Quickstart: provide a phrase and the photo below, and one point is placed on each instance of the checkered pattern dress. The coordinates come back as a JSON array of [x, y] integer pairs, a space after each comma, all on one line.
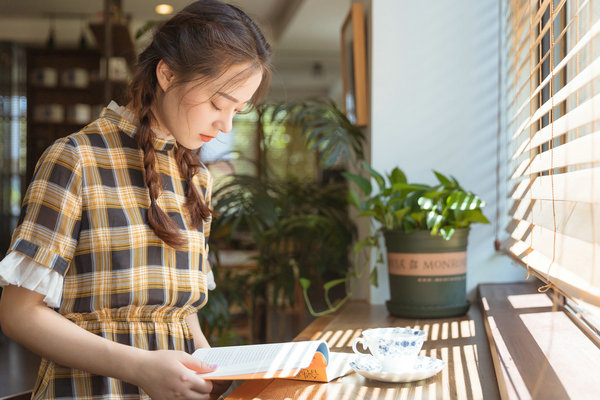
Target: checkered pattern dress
[[85, 216]]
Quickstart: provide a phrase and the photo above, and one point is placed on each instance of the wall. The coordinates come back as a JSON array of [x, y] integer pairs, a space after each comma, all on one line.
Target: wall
[[434, 98]]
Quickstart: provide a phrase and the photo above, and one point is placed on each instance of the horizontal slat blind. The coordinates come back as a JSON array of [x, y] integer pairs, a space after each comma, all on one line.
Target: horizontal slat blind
[[574, 186], [553, 130]]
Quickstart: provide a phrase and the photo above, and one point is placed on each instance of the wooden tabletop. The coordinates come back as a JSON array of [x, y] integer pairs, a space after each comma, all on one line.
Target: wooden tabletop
[[460, 341]]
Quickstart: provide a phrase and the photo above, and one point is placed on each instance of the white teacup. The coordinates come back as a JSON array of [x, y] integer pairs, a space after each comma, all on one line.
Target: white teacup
[[395, 348]]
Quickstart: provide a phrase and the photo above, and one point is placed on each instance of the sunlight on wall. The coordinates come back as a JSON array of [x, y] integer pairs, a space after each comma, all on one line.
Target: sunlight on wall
[[434, 103]]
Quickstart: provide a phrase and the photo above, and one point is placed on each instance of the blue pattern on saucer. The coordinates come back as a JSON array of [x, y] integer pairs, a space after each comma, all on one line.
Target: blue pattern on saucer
[[422, 368], [366, 363]]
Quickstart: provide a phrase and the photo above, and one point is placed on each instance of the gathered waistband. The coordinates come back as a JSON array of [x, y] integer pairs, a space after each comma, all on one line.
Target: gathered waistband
[[130, 314]]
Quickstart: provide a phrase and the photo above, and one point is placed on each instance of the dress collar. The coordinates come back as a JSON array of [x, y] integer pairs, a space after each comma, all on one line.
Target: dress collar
[[124, 120]]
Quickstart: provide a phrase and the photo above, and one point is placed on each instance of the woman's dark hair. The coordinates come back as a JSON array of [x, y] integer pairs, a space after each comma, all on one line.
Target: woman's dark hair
[[198, 44]]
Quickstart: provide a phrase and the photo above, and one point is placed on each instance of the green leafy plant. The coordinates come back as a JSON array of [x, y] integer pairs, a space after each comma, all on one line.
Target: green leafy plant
[[399, 205], [396, 204]]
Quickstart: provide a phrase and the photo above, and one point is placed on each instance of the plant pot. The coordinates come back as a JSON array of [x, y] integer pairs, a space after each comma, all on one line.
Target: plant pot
[[427, 274]]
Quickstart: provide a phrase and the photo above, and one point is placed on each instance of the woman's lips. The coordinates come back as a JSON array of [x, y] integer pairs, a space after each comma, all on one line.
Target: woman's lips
[[206, 138]]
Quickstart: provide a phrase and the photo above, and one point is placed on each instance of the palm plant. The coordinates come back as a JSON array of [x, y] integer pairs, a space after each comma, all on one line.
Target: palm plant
[[301, 229], [326, 130]]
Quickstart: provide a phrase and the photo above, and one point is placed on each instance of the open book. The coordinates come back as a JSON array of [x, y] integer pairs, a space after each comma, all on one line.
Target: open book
[[308, 360]]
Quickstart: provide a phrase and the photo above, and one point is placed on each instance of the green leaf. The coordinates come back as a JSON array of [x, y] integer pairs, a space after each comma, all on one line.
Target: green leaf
[[412, 200], [335, 282], [363, 243], [305, 283], [368, 213], [373, 277], [353, 199], [333, 157], [363, 183], [389, 221], [395, 201], [443, 180], [447, 233], [455, 182], [397, 176], [397, 187], [426, 203], [434, 221], [408, 226], [475, 216], [314, 128], [375, 175], [418, 218], [399, 216], [460, 200]]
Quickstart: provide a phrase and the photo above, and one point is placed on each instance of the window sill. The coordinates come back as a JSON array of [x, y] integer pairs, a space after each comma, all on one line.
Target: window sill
[[538, 352]]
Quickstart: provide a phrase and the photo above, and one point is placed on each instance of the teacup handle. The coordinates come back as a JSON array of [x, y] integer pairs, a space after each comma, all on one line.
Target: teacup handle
[[362, 342]]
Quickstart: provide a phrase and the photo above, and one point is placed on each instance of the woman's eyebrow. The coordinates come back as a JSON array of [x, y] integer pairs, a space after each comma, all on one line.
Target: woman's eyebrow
[[231, 98]]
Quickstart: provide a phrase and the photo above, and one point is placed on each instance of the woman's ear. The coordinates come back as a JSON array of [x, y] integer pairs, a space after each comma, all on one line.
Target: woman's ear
[[165, 75]]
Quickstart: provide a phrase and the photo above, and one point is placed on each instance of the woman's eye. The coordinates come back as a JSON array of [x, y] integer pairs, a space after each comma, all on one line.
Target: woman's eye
[[214, 106]]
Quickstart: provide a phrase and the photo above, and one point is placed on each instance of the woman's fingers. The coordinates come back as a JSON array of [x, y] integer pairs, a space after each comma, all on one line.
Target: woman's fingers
[[196, 384], [172, 375], [197, 365]]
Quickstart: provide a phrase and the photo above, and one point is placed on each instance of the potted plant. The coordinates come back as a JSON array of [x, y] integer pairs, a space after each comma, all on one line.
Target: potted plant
[[425, 228]]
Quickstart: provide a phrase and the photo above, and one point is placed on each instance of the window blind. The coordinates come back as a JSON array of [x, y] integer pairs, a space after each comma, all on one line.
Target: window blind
[[552, 99]]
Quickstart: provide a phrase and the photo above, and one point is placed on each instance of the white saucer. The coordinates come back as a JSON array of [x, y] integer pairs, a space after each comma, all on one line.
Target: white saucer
[[423, 368]]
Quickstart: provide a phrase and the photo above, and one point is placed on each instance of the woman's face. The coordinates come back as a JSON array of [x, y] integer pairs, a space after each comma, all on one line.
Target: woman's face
[[194, 114]]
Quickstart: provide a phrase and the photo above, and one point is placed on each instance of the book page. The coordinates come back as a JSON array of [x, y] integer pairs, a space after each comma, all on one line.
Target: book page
[[273, 359], [339, 365]]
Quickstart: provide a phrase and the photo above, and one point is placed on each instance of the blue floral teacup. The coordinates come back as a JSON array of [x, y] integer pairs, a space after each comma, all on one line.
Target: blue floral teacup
[[396, 348]]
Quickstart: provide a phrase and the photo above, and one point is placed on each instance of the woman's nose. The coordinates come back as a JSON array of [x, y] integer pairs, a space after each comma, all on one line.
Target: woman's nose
[[225, 123]]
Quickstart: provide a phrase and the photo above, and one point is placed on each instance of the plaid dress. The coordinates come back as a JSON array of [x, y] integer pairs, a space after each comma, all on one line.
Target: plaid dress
[[85, 216]]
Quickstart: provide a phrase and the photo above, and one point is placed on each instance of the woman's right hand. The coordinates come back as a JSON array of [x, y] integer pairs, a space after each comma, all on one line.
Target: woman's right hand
[[169, 374]]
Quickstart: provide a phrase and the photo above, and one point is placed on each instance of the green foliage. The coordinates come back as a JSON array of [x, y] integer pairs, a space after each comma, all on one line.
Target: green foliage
[[325, 128], [398, 205], [301, 229], [215, 317]]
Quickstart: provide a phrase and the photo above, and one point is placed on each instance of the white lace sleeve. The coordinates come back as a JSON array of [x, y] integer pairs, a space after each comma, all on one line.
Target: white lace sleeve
[[18, 270], [210, 280]]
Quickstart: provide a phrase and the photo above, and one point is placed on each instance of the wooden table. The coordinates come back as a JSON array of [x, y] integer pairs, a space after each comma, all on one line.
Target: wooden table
[[460, 341]]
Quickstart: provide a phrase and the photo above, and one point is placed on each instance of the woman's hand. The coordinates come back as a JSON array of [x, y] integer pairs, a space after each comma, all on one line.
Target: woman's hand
[[168, 375]]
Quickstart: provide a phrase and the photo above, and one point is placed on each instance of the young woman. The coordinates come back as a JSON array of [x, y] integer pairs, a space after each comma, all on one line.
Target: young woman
[[108, 264]]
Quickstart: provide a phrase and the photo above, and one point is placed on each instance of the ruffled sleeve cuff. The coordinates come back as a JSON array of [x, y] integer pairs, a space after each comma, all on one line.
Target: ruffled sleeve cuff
[[18, 270], [210, 280]]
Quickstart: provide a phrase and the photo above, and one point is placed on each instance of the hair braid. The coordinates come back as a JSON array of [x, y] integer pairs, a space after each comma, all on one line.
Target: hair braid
[[163, 225], [189, 165]]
